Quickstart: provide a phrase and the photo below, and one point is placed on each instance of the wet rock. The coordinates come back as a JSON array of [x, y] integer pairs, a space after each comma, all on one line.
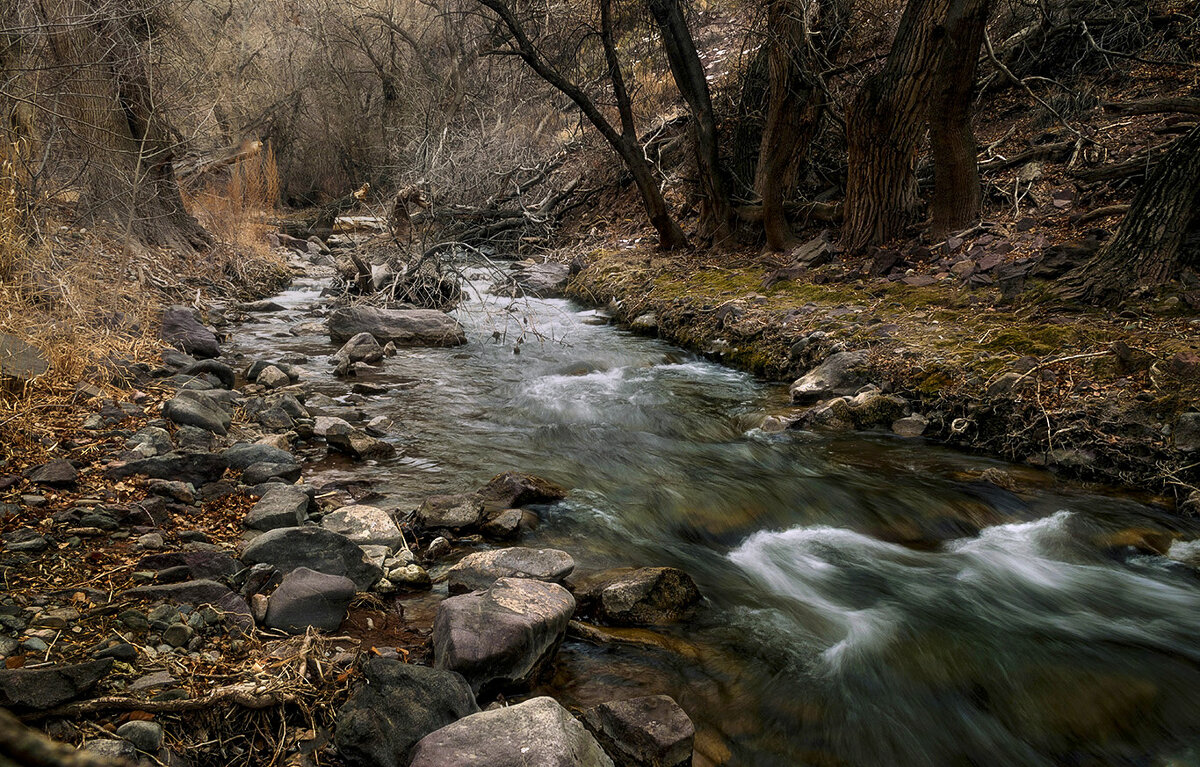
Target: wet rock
[[451, 512], [480, 570], [379, 426], [911, 426], [361, 348], [870, 409], [645, 323], [264, 305], [43, 688], [639, 596], [197, 468], [438, 548], [365, 525], [183, 330], [546, 280], [509, 524], [315, 548], [643, 732], [196, 408], [118, 751], [841, 374], [199, 592], [357, 444], [25, 539], [323, 423], [57, 473], [280, 506], [399, 704], [501, 638], [309, 598], [537, 732], [403, 327], [513, 489]]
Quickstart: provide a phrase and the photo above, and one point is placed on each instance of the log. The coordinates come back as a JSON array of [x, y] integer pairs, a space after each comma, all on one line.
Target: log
[[191, 169]]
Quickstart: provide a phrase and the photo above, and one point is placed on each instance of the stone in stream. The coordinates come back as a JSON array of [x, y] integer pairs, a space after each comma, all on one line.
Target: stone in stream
[[480, 570], [280, 506], [452, 512], [272, 377], [309, 598], [537, 732], [642, 596], [199, 409], [182, 329], [361, 348], [263, 471], [546, 280], [841, 374], [244, 454], [399, 704], [910, 426], [42, 688], [315, 548], [501, 638], [509, 524], [403, 327], [365, 525], [513, 489], [652, 730], [356, 443]]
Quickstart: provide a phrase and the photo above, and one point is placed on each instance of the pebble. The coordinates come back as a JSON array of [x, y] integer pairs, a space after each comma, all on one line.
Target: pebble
[[178, 634], [145, 736], [151, 541], [134, 620]]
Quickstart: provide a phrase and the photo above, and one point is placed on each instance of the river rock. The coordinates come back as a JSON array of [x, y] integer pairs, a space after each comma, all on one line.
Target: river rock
[[150, 441], [841, 374], [641, 596], [19, 361], [513, 489], [200, 564], [309, 598], [263, 471], [244, 454], [145, 736], [280, 506], [315, 548], [272, 378], [57, 473], [357, 443], [218, 370], [508, 524], [365, 525], [451, 512], [197, 468], [911, 426], [643, 732], [197, 408], [182, 329], [537, 732], [361, 348], [480, 570], [403, 327], [542, 280], [50, 686], [233, 608], [399, 704], [501, 638]]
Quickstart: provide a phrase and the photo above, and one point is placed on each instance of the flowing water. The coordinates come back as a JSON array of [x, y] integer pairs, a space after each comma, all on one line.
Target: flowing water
[[870, 600]]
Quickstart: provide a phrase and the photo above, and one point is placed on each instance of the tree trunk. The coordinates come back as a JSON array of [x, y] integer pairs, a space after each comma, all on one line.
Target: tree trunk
[[956, 193], [884, 124], [1147, 248], [716, 211], [112, 113], [796, 102]]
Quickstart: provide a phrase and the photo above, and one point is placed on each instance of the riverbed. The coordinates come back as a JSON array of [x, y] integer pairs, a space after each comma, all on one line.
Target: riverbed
[[870, 599]]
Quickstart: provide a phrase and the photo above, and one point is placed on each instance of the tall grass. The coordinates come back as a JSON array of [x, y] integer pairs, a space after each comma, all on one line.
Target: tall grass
[[237, 206]]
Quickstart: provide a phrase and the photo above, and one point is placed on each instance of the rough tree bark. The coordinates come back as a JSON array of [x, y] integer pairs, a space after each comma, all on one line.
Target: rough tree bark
[[956, 193], [625, 141], [107, 101], [796, 101], [1147, 249], [716, 211], [884, 124]]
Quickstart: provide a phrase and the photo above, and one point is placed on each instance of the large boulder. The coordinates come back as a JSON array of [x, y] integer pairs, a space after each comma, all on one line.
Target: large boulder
[[280, 506], [403, 327], [309, 598], [399, 704], [50, 686], [200, 409], [501, 638], [182, 329], [542, 280], [365, 525], [643, 732], [361, 348], [841, 374], [537, 732], [316, 548], [643, 596], [480, 570]]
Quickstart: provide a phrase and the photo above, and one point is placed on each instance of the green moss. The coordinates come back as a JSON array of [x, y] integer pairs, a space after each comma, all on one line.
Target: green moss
[[1035, 341]]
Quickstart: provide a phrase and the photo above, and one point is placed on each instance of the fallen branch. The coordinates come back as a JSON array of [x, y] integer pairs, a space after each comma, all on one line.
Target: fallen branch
[[246, 695], [1166, 105]]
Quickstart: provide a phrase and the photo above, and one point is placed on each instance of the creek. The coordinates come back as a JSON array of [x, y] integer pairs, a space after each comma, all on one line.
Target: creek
[[870, 600]]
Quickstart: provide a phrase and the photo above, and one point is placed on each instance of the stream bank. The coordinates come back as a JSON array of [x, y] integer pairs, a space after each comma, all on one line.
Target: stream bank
[[1099, 396]]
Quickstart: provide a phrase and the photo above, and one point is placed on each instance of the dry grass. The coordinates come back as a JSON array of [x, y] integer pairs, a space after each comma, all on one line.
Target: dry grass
[[237, 206]]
